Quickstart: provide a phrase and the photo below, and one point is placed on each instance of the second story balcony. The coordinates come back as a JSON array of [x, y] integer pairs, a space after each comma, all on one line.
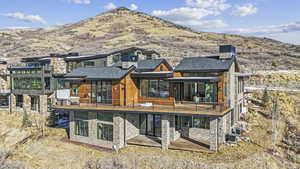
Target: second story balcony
[[154, 106]]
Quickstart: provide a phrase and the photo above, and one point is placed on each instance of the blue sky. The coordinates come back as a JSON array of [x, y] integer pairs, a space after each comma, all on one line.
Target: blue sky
[[278, 19]]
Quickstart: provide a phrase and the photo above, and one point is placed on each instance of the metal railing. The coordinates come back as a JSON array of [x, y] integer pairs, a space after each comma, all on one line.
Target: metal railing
[[151, 105]]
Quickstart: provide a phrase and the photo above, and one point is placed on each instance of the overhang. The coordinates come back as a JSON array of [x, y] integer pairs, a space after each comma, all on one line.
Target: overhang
[[194, 79]]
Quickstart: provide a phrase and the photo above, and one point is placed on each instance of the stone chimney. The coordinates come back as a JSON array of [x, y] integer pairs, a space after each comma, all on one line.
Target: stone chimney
[[227, 51]]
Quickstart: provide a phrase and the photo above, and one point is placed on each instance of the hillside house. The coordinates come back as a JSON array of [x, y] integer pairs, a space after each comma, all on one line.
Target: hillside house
[[145, 101]]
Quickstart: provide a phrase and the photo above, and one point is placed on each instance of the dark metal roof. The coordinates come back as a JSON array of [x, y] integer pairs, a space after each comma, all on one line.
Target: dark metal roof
[[165, 74], [149, 65], [203, 79], [105, 73], [204, 64]]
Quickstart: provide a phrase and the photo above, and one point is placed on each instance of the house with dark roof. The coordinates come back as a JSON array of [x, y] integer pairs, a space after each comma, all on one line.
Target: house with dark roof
[[39, 81], [136, 100]]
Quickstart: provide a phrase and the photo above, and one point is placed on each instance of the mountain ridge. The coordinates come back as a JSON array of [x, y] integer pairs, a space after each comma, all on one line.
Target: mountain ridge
[[122, 28]]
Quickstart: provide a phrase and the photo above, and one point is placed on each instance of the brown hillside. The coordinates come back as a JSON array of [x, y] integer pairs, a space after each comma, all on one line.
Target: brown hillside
[[122, 28]]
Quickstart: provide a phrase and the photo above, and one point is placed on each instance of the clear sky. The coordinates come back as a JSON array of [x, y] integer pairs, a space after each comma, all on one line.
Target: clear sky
[[278, 19]]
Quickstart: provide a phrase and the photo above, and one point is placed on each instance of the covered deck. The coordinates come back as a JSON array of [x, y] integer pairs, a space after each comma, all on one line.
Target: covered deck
[[213, 110], [184, 144]]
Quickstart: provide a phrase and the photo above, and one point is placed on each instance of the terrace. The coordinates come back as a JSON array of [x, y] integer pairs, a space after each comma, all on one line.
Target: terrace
[[213, 109]]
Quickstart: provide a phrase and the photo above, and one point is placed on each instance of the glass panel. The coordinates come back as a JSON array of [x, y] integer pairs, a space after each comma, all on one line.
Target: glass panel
[[201, 122], [186, 121], [164, 89], [153, 88], [150, 130], [144, 87], [27, 83], [81, 128], [210, 93], [81, 115], [94, 91], [143, 124], [105, 117], [105, 132], [4, 101], [157, 125]]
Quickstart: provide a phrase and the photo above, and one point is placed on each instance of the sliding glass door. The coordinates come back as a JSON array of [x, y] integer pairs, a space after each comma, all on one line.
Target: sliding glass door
[[199, 92], [102, 92], [150, 124]]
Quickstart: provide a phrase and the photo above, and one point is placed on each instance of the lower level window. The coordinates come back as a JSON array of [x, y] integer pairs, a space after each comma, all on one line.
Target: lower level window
[[201, 122], [82, 128], [4, 100], [105, 132]]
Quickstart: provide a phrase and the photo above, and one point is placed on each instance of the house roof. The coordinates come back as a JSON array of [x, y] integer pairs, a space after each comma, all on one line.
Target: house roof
[[149, 65], [105, 73], [204, 64]]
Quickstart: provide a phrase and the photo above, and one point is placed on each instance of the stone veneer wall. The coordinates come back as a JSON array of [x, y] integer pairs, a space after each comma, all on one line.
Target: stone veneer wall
[[165, 131], [4, 80], [59, 65], [92, 138], [26, 103], [213, 134], [43, 104]]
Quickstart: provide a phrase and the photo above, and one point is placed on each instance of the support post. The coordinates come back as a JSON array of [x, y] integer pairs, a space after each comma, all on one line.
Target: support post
[[165, 131]]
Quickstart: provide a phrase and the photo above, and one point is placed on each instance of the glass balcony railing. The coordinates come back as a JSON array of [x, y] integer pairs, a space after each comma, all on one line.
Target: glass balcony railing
[[152, 106]]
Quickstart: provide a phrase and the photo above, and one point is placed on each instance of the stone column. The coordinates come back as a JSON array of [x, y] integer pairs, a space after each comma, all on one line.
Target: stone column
[[13, 104], [172, 128], [26, 103], [221, 129], [165, 131], [118, 129], [43, 104], [213, 134], [71, 125]]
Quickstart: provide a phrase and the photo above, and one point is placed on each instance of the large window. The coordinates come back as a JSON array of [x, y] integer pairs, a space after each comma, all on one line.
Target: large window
[[154, 88], [105, 132], [88, 64], [81, 124], [102, 92], [191, 121], [75, 87], [201, 122], [4, 101], [27, 83], [82, 128], [19, 101]]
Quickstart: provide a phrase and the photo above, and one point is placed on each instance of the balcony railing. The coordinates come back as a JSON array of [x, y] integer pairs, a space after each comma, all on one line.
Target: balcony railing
[[152, 106]]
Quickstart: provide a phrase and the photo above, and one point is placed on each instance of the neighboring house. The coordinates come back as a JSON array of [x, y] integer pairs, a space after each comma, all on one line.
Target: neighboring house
[[4, 86], [38, 82], [132, 100]]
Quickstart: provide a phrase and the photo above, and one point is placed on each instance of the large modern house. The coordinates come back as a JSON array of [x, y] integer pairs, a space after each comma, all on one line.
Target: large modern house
[[146, 101], [134, 96]]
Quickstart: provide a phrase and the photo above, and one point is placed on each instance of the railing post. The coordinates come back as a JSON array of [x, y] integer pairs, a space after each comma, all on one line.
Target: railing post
[[196, 107]]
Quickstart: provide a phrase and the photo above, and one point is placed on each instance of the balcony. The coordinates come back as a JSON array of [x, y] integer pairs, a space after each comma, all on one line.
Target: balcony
[[210, 109]]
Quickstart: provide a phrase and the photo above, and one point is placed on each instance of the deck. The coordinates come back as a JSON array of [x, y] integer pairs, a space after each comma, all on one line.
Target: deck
[[200, 109], [184, 144]]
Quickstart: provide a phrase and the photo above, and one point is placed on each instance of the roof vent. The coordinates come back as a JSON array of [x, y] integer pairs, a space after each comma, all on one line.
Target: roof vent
[[227, 51]]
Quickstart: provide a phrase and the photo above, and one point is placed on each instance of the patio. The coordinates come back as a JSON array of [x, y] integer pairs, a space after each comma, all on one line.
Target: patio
[[185, 144]]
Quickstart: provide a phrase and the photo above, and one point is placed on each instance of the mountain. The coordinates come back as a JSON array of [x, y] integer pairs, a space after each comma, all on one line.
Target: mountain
[[122, 28]]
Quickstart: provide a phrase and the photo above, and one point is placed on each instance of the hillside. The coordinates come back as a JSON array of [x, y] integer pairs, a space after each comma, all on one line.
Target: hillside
[[122, 28]]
